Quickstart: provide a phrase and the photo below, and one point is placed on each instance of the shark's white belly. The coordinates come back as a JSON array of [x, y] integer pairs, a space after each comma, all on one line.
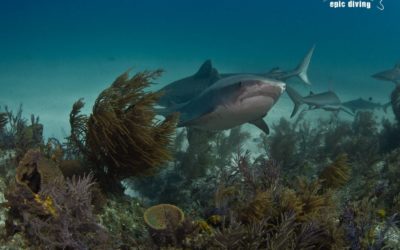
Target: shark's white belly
[[234, 114]]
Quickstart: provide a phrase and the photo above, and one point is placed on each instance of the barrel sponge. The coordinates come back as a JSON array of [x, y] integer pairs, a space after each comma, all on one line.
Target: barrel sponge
[[35, 171]]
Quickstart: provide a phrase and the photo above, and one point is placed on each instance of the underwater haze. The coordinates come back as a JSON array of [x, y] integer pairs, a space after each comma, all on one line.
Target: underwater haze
[[54, 52], [186, 124]]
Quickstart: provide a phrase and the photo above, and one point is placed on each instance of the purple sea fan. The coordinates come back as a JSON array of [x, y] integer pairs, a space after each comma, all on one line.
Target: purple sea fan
[[74, 226]]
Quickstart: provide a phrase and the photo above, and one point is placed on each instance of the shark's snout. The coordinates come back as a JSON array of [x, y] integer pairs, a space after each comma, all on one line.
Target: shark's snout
[[275, 89]]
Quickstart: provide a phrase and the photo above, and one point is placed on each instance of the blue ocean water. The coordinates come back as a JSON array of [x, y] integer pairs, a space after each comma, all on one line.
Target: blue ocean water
[[54, 52]]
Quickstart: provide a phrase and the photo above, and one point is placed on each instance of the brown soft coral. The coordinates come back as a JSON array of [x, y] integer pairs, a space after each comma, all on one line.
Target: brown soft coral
[[337, 174], [122, 133]]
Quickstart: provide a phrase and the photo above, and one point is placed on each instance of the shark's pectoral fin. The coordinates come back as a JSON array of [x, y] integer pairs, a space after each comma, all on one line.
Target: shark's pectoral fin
[[260, 123], [174, 107]]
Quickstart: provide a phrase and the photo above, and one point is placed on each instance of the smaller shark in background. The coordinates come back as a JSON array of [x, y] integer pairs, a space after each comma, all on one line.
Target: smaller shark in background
[[185, 89], [328, 101], [362, 104], [230, 102], [391, 75]]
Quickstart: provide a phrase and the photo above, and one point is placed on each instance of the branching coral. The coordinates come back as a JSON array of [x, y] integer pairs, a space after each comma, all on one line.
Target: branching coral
[[19, 135]]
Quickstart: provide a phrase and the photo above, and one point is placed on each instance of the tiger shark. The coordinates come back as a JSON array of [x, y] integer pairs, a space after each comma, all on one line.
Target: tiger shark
[[183, 90], [230, 102], [327, 100], [391, 75]]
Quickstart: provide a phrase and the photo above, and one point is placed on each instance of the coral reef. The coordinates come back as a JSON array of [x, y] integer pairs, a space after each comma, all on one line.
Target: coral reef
[[326, 184]]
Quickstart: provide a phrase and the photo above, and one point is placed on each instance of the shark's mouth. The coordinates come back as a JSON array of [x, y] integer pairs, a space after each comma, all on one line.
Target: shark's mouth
[[267, 89]]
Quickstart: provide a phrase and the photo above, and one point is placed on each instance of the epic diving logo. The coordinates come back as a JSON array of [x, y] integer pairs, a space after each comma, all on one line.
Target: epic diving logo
[[367, 4]]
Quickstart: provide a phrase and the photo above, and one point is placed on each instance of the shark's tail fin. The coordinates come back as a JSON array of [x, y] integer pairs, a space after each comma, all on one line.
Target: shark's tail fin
[[301, 70], [296, 98]]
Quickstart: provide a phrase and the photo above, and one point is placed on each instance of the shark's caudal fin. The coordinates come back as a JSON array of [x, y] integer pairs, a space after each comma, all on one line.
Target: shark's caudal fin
[[301, 70], [296, 98]]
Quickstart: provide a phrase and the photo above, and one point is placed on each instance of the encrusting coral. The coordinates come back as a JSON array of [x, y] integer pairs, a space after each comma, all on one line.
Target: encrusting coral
[[121, 136]]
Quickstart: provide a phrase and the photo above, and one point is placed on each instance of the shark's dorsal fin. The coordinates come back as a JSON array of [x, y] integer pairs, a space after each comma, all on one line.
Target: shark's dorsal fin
[[260, 123], [215, 75], [205, 69]]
